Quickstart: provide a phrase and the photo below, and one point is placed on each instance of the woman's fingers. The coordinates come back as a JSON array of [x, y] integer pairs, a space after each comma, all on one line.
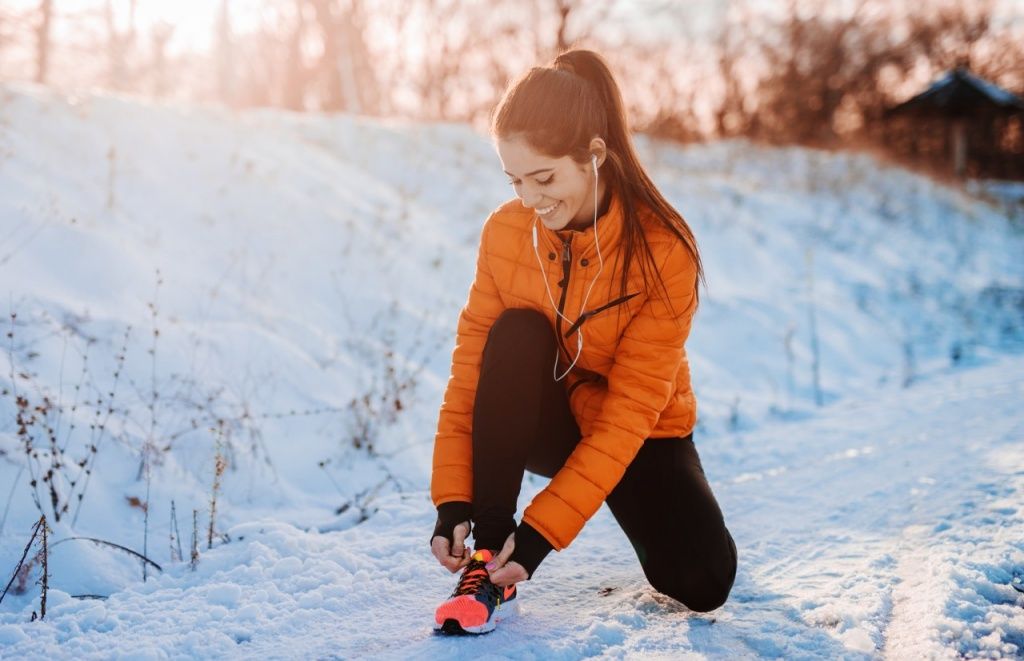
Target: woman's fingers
[[499, 560], [441, 549], [458, 563], [453, 556], [506, 550], [513, 572], [459, 535]]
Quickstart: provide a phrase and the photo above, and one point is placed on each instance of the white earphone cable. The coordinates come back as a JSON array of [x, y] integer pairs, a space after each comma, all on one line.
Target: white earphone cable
[[586, 297]]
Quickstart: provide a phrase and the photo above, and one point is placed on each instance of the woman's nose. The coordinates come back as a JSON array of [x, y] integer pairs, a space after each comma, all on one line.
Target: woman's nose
[[530, 198]]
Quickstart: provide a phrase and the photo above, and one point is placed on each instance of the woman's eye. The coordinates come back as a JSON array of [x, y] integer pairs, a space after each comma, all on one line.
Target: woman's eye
[[542, 183]]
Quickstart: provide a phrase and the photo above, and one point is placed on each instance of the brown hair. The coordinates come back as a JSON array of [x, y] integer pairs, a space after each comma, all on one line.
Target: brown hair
[[559, 109]]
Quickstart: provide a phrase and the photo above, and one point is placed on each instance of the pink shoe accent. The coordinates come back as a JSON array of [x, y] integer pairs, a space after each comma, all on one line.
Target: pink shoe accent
[[464, 609]]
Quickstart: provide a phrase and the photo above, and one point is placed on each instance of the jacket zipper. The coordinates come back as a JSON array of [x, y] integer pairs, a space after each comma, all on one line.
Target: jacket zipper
[[564, 284], [590, 313]]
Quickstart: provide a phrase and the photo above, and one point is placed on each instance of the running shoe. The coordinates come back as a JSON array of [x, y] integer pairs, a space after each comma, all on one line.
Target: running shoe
[[476, 605]]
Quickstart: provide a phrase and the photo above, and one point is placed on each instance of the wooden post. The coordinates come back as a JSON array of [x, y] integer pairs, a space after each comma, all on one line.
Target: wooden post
[[959, 146]]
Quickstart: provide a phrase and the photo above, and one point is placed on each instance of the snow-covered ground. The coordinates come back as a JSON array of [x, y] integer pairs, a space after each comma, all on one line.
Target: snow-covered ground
[[306, 263]]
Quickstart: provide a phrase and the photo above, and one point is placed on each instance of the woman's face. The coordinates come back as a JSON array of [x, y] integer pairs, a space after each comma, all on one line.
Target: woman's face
[[560, 190]]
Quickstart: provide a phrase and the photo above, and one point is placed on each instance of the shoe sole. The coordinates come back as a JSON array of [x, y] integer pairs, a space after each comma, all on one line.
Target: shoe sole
[[504, 611]]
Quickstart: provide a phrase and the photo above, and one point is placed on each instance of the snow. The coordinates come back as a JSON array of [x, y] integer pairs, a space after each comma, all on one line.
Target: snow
[[307, 261]]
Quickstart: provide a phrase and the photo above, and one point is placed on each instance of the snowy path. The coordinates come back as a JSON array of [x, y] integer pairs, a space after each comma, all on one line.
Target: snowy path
[[893, 524], [888, 528]]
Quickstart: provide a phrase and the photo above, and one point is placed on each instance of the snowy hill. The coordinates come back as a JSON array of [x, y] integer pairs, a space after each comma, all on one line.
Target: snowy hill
[[310, 274]]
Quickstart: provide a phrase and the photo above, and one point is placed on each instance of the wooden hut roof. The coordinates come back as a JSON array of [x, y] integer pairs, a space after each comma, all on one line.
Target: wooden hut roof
[[959, 93]]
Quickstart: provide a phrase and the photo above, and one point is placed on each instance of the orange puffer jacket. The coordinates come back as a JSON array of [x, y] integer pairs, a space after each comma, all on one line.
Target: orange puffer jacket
[[631, 382]]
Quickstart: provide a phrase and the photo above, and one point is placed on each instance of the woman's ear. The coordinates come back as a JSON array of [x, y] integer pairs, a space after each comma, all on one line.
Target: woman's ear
[[599, 149]]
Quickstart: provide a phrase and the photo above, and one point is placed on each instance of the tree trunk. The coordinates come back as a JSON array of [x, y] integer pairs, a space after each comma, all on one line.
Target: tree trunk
[[43, 40], [225, 57], [330, 61], [295, 71]]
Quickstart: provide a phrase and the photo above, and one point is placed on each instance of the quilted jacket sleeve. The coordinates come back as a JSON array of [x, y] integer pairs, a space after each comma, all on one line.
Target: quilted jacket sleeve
[[452, 473], [640, 383]]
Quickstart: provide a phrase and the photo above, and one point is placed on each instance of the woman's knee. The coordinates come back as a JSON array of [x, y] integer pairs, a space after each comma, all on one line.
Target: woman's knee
[[520, 338], [699, 590], [515, 322], [698, 593]]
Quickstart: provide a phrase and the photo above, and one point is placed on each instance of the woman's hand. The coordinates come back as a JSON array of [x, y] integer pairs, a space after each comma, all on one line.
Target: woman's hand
[[453, 556], [502, 571]]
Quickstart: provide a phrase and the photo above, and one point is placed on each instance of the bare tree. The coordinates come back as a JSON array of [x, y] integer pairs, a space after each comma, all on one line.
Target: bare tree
[[224, 56], [346, 73], [949, 33], [563, 9], [364, 68], [119, 44], [823, 74], [159, 35], [269, 67], [813, 74], [295, 73], [808, 60], [442, 63], [574, 21], [735, 113], [43, 40], [332, 69], [1004, 58]]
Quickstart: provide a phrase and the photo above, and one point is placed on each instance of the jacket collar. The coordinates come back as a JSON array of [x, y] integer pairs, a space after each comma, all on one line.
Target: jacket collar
[[609, 231]]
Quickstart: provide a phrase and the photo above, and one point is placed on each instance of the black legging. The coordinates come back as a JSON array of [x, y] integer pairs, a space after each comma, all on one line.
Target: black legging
[[522, 421]]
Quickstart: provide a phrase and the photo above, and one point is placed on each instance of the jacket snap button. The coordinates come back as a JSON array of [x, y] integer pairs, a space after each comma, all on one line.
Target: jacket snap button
[[584, 261], [551, 255]]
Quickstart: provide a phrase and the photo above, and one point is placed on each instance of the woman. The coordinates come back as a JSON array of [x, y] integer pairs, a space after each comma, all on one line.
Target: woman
[[569, 362]]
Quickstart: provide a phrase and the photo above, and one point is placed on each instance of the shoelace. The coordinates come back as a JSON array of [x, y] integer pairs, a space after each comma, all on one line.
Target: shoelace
[[472, 577]]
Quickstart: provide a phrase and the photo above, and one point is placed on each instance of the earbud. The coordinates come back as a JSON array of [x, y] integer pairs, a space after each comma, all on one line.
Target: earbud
[[593, 159]]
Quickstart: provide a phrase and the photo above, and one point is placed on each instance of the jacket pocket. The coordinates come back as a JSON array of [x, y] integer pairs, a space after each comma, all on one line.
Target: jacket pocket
[[590, 313]]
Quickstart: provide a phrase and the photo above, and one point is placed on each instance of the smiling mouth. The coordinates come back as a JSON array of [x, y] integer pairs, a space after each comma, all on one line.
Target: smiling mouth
[[545, 211]]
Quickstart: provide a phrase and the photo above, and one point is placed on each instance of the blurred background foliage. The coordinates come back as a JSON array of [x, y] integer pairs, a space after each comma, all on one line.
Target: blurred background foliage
[[810, 72]]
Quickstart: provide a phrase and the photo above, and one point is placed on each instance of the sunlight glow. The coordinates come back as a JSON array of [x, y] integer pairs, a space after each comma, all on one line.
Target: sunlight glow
[[193, 21]]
